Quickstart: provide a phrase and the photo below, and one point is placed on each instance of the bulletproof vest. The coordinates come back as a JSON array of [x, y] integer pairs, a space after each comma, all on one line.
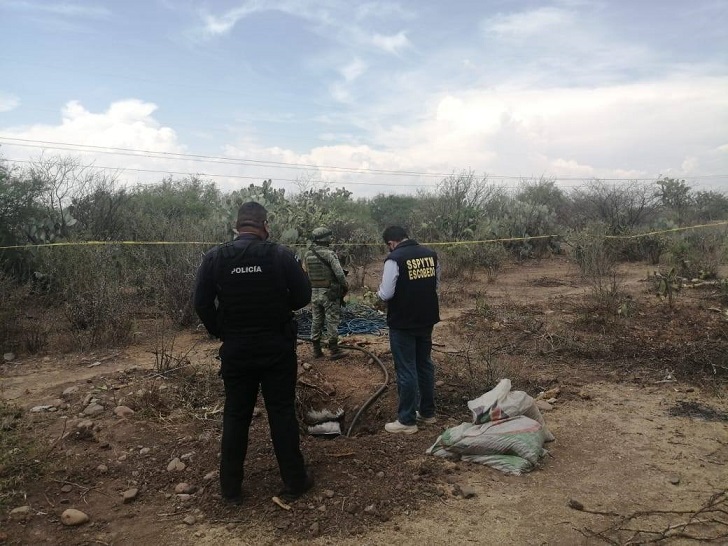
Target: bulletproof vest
[[415, 303], [251, 292], [319, 273]]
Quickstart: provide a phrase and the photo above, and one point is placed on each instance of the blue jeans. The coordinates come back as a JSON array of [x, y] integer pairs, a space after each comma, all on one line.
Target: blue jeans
[[411, 351]]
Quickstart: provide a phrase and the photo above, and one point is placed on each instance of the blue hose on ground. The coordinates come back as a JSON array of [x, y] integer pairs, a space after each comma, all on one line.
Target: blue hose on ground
[[355, 319]]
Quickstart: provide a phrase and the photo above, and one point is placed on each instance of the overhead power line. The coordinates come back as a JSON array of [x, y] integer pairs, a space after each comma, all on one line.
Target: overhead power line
[[69, 146], [27, 143], [276, 179], [151, 154], [235, 176]]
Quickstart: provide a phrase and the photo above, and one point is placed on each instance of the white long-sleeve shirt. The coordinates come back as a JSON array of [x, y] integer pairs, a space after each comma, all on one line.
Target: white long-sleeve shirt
[[389, 280]]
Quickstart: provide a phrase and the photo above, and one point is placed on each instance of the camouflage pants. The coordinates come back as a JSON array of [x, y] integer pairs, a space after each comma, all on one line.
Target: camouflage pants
[[324, 310]]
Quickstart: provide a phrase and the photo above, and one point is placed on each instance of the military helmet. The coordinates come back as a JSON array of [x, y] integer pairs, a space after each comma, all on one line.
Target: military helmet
[[321, 235]]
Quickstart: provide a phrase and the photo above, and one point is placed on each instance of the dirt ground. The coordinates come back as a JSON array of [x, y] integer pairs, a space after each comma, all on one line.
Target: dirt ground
[[640, 421]]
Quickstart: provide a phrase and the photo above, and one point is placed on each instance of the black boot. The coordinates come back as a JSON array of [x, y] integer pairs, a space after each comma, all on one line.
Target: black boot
[[317, 352], [336, 352]]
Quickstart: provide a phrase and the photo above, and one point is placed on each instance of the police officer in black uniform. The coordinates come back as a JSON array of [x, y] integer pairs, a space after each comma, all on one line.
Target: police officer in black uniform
[[245, 294]]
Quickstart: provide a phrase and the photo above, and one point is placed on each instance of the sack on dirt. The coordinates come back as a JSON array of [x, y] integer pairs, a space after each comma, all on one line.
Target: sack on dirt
[[512, 445], [502, 403]]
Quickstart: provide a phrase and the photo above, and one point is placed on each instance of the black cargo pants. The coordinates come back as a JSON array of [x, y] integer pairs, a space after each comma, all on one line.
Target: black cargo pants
[[249, 364]]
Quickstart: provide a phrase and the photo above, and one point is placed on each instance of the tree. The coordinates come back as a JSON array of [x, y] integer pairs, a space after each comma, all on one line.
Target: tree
[[675, 196], [392, 210], [457, 208], [102, 212], [19, 198], [621, 207], [62, 180], [710, 206], [188, 209], [544, 192]]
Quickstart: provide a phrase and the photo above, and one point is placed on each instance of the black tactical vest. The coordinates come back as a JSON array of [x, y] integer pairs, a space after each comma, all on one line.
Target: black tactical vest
[[415, 303], [252, 296]]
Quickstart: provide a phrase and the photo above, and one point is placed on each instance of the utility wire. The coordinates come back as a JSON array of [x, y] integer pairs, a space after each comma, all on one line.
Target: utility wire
[[277, 179], [69, 146], [206, 158], [236, 176], [295, 180]]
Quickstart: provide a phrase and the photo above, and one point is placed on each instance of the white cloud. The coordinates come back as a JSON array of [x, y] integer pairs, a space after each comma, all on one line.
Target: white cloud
[[331, 21], [341, 91], [571, 168], [218, 25], [125, 124], [66, 9], [8, 102], [393, 43], [353, 70], [675, 125], [528, 23]]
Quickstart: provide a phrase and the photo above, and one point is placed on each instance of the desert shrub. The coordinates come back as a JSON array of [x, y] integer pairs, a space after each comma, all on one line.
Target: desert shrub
[[455, 262], [652, 247], [699, 254], [34, 336], [167, 359], [12, 295], [619, 207], [491, 258], [608, 295], [456, 209], [392, 210], [593, 252], [19, 463], [18, 331], [165, 276], [193, 387], [524, 219], [597, 258], [358, 252], [90, 282], [464, 260], [481, 365]]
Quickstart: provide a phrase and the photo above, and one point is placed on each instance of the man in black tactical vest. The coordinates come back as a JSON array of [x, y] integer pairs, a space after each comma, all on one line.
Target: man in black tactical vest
[[257, 285], [409, 286]]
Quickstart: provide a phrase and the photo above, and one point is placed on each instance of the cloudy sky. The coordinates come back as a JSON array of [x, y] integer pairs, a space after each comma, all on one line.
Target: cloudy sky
[[380, 96]]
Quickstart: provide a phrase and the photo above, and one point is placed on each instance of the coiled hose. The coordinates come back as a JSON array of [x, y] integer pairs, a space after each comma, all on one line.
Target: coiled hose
[[379, 391]]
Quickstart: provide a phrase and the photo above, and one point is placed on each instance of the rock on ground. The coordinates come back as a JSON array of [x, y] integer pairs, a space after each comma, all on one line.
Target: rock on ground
[[72, 517]]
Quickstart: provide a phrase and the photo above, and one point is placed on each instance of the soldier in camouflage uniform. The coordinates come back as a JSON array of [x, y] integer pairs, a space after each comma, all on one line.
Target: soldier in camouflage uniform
[[329, 287]]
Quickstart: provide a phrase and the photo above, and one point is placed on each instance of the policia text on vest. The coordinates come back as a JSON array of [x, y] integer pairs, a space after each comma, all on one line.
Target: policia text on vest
[[420, 268]]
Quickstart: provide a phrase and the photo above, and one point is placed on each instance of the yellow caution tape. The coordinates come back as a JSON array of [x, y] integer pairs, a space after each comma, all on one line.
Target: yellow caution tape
[[481, 241]]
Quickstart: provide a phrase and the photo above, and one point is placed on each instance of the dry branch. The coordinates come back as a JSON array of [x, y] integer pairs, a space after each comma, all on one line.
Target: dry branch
[[715, 505]]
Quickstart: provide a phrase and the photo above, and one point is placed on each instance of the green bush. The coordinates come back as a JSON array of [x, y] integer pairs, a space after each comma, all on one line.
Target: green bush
[[91, 285], [12, 297], [465, 259], [699, 254], [652, 247], [594, 253]]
